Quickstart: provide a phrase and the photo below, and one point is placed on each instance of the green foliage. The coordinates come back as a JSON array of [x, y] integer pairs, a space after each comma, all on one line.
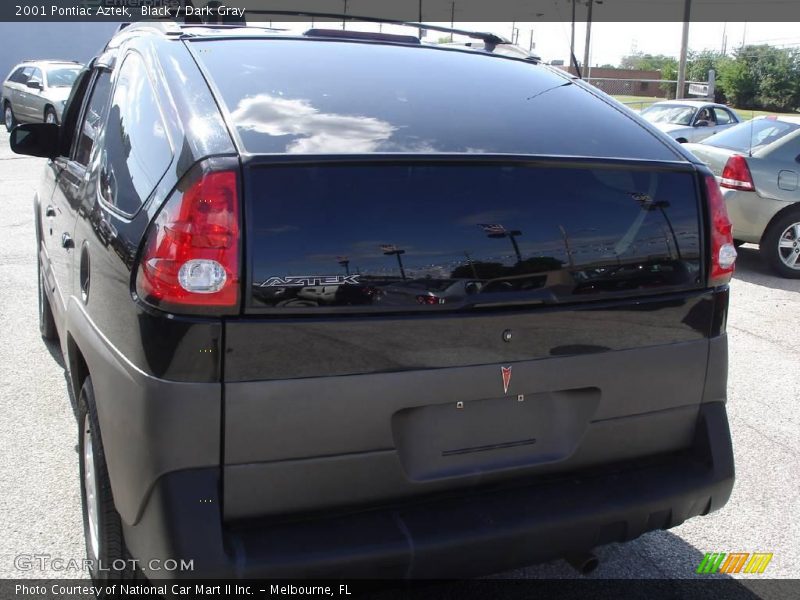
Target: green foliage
[[647, 62], [755, 77], [669, 72], [762, 77]]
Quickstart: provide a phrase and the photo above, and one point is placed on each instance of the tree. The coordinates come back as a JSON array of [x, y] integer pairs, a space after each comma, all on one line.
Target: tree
[[738, 84], [764, 77], [700, 63], [647, 62], [670, 73]]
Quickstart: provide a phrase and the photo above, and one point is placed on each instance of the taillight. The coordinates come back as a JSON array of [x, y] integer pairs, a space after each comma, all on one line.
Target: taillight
[[190, 261], [723, 252], [429, 300], [736, 174]]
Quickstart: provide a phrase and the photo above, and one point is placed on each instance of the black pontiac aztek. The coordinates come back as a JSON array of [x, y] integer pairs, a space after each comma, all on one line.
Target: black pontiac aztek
[[345, 304]]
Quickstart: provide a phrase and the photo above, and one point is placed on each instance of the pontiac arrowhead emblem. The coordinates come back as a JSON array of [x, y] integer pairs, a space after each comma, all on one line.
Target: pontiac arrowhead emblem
[[506, 378]]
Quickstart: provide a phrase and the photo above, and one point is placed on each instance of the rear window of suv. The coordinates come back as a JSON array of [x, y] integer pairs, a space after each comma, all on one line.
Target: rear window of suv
[[324, 97], [440, 236]]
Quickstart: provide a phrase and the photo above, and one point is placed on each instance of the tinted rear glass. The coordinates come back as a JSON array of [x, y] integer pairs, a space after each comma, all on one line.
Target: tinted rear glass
[[322, 97], [745, 136], [454, 236], [62, 76]]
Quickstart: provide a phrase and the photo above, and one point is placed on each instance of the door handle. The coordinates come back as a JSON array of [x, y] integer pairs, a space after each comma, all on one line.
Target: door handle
[[49, 212], [66, 241]]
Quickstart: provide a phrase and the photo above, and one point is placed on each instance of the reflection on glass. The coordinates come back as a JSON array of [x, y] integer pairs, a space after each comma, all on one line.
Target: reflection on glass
[[391, 250], [570, 232], [496, 231], [312, 131]]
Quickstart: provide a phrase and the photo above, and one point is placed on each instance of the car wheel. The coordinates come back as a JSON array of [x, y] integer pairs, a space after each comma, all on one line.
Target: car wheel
[[47, 324], [8, 117], [781, 245], [109, 560], [50, 116]]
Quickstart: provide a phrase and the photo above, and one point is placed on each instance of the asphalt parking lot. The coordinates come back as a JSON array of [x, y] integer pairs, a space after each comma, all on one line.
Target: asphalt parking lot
[[39, 489]]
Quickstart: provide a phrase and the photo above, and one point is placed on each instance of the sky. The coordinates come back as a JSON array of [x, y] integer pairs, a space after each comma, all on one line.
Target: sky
[[611, 41]]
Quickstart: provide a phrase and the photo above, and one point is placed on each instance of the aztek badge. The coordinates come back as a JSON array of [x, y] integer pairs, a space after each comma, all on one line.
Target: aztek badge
[[309, 281]]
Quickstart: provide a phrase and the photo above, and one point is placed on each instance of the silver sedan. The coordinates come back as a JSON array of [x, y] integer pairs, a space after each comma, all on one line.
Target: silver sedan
[[757, 165], [690, 120]]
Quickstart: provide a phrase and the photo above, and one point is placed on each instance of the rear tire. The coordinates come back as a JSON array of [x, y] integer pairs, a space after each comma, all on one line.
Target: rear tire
[[780, 245], [47, 324], [102, 528], [50, 115], [8, 117]]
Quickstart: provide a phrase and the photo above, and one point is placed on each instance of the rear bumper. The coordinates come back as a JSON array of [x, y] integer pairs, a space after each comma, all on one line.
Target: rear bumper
[[471, 532], [750, 214]]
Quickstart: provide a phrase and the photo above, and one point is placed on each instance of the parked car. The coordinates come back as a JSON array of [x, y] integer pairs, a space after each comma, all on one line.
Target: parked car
[[690, 120], [428, 290], [757, 165], [261, 438], [36, 91]]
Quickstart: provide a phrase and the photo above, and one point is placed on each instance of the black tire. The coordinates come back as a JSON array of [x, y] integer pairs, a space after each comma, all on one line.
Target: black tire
[[12, 122], [785, 229], [47, 324], [50, 112], [108, 549]]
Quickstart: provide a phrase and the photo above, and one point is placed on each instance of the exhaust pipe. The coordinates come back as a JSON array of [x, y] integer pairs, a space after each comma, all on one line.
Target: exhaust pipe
[[584, 563]]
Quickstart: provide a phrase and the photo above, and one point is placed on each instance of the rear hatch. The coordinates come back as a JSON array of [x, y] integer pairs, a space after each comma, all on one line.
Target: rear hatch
[[436, 298], [418, 326]]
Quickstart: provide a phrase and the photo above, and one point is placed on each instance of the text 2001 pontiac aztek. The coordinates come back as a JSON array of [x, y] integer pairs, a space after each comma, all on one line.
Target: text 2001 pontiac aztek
[[346, 304]]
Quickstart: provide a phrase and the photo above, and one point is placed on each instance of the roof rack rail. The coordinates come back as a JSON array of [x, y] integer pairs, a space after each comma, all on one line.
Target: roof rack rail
[[489, 39], [61, 60], [362, 35]]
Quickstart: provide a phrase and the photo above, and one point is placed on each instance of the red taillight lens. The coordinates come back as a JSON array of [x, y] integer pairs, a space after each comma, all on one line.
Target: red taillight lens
[[723, 252], [429, 300], [191, 253], [736, 175]]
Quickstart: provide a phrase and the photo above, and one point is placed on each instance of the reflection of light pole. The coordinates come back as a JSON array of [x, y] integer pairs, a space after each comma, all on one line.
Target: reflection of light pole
[[390, 250], [498, 231], [566, 241], [649, 205], [566, 245], [471, 264], [344, 262]]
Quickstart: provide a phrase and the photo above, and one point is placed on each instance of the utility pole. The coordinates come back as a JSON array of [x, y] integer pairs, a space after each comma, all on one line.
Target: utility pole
[[530, 45], [420, 37], [687, 14], [588, 40], [452, 17], [572, 38]]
